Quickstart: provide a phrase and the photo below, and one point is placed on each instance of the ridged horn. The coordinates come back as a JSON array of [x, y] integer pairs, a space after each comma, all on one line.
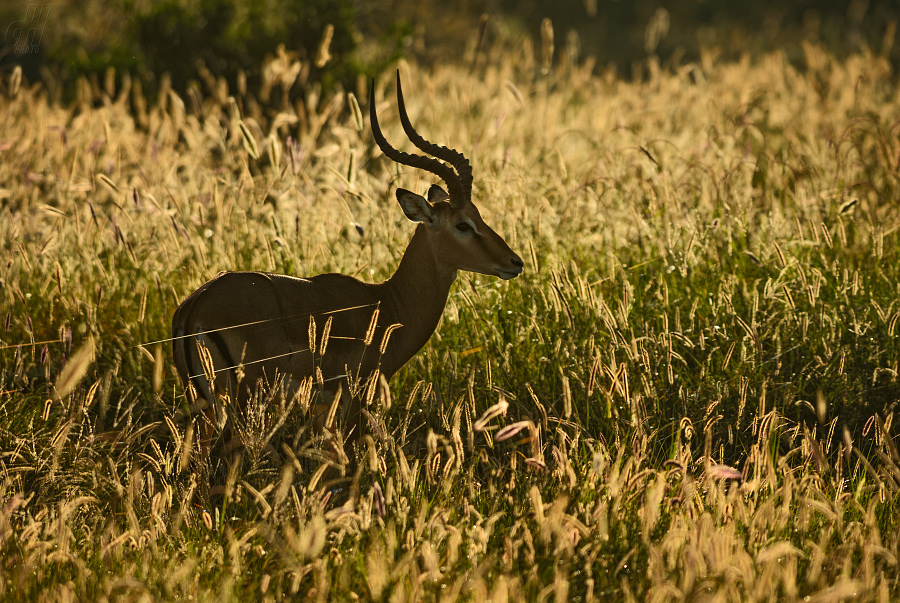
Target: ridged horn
[[458, 193], [452, 156]]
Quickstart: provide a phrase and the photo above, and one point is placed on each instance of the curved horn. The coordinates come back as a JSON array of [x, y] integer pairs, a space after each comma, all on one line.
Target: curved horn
[[451, 156], [439, 169]]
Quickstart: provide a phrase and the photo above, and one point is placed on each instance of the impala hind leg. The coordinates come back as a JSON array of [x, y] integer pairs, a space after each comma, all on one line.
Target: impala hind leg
[[209, 396]]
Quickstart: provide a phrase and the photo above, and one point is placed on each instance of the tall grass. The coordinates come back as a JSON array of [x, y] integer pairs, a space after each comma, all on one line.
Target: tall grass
[[689, 394]]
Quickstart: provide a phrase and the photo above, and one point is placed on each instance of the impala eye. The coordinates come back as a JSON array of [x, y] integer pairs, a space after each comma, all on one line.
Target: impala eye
[[464, 227]]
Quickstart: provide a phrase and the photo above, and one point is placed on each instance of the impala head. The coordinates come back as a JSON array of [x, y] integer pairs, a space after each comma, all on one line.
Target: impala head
[[456, 232]]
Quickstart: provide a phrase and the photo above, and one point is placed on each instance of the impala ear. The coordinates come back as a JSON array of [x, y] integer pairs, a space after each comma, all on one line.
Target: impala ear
[[415, 206], [436, 193]]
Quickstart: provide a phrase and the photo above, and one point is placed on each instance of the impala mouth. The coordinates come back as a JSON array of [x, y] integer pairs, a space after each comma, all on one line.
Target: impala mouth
[[508, 274]]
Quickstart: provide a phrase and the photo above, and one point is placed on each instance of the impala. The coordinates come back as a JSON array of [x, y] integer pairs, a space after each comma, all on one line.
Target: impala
[[246, 330]]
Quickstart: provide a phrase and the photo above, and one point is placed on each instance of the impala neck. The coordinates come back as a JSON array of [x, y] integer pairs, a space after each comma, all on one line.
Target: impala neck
[[415, 296]]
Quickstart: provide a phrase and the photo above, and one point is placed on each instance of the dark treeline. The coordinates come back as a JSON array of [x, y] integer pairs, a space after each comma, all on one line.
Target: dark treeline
[[337, 41]]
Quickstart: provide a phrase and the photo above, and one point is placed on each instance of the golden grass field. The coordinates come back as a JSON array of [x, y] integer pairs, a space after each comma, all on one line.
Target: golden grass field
[[701, 354]]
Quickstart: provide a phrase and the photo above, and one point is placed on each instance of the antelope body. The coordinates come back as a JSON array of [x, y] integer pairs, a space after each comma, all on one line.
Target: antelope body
[[259, 328]]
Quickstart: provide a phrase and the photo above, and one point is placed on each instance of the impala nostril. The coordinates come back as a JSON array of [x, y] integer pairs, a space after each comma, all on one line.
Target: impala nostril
[[517, 263]]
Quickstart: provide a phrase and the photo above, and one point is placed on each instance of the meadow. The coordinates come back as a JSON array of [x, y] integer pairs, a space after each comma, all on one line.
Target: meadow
[[688, 395]]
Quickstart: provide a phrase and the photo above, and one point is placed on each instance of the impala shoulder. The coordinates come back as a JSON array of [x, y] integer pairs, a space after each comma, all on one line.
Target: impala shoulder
[[337, 282]]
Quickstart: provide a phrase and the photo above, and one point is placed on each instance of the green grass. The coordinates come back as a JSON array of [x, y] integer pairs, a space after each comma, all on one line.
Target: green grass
[[711, 285]]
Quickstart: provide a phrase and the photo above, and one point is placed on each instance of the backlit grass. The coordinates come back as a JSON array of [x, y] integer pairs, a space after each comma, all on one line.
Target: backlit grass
[[698, 367]]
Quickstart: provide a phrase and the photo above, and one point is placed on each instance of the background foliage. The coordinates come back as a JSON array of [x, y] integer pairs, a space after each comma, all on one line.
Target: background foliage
[[233, 38]]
